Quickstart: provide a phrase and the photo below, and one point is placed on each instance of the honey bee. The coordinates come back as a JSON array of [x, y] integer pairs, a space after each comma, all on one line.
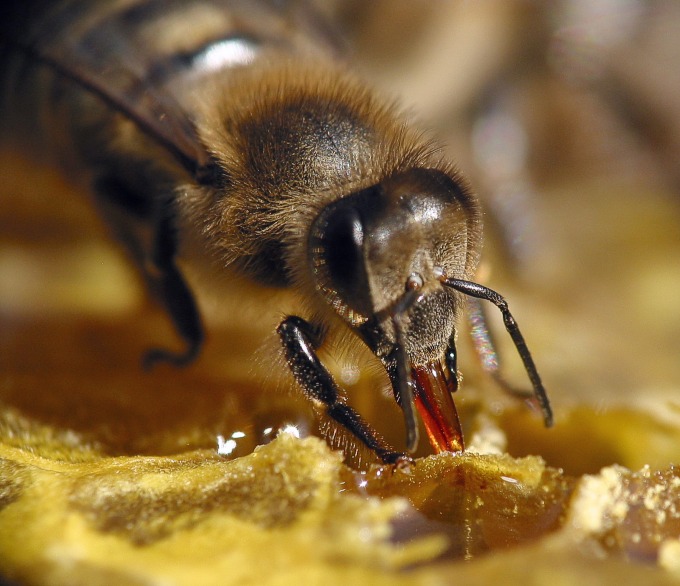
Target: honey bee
[[233, 131]]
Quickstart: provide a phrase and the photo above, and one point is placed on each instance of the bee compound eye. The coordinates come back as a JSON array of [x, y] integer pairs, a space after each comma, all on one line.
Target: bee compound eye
[[339, 250]]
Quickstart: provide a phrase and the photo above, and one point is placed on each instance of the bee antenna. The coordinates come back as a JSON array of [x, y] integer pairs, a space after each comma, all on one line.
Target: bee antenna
[[479, 291]]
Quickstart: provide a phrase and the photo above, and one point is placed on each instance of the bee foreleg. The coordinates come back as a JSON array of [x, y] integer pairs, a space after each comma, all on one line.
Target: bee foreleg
[[300, 343], [169, 285], [485, 345], [451, 358]]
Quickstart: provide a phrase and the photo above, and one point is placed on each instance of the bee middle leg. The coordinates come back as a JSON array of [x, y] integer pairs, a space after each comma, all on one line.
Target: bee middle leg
[[300, 342], [146, 226], [171, 288]]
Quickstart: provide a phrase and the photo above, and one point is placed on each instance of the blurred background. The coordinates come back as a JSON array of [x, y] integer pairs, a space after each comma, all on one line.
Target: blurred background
[[565, 115]]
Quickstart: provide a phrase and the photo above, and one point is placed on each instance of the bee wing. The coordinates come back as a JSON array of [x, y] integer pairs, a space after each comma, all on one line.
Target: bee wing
[[130, 53], [105, 59]]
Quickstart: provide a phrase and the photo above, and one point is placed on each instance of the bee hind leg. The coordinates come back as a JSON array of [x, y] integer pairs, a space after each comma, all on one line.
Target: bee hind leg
[[300, 342]]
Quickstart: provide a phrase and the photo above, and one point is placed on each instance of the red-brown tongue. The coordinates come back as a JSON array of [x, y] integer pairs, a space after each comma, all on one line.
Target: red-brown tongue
[[435, 404]]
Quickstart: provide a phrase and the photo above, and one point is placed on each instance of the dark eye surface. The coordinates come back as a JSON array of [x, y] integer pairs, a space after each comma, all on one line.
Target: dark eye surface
[[337, 246], [343, 248]]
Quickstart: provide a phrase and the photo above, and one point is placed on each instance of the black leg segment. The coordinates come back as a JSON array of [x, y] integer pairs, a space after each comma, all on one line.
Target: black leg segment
[[145, 223], [300, 342], [451, 358], [168, 284]]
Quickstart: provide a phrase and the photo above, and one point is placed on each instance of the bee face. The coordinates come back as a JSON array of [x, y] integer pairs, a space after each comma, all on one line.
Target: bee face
[[367, 250]]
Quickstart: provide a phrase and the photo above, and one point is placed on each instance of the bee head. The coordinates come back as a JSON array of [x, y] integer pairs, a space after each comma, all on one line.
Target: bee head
[[378, 257], [368, 249]]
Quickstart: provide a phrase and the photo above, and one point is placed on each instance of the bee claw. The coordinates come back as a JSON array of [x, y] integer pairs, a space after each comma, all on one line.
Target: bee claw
[[155, 356]]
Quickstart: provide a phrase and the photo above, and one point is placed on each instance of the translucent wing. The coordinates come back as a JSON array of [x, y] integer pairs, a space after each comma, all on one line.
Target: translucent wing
[[130, 52]]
